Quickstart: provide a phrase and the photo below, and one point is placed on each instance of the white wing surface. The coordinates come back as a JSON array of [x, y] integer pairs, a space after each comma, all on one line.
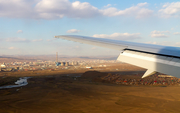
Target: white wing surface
[[155, 58]]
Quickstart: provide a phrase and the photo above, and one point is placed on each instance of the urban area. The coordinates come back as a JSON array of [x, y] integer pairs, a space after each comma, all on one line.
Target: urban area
[[113, 71]]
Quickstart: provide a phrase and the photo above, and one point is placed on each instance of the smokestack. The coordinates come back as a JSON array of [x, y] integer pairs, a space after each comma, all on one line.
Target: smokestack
[[56, 56]]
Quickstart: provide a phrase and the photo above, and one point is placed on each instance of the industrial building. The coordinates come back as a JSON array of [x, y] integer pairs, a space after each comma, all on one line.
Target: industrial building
[[3, 65], [62, 63]]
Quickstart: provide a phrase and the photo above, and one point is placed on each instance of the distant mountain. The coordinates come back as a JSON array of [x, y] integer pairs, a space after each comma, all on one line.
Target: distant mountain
[[13, 58]]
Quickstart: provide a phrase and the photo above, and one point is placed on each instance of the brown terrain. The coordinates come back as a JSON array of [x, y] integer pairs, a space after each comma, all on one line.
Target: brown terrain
[[62, 91]]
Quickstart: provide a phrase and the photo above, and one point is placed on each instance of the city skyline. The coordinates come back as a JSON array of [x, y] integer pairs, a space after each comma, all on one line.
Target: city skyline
[[28, 27]]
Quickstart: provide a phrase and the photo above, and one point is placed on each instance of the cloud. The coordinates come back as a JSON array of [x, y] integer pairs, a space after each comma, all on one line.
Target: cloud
[[119, 36], [50, 40], [107, 5], [11, 48], [176, 33], [93, 48], [17, 39], [137, 11], [164, 43], [177, 44], [16, 8], [57, 9], [142, 4], [53, 9], [151, 42], [2, 48], [73, 31], [170, 10], [37, 40], [77, 47], [159, 34], [19, 31], [84, 10]]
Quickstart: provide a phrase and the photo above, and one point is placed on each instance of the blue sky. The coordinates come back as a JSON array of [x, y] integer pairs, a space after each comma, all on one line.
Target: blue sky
[[27, 27]]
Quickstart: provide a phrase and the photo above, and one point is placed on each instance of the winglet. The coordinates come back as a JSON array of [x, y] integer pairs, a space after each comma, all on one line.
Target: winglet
[[148, 73]]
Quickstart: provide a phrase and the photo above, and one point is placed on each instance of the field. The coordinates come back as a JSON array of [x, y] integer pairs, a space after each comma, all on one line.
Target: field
[[63, 92]]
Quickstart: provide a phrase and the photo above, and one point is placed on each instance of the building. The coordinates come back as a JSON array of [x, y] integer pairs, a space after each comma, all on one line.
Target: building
[[62, 63], [3, 65]]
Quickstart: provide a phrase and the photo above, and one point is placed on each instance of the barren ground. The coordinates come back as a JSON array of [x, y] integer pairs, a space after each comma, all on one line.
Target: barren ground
[[55, 92]]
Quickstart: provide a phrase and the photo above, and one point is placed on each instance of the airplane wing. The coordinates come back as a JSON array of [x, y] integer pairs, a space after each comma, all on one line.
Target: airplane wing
[[155, 58]]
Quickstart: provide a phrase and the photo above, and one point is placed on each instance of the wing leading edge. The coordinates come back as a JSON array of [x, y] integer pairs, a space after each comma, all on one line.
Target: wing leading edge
[[155, 58]]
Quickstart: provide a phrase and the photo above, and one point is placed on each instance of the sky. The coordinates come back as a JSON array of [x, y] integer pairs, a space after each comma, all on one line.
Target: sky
[[28, 27]]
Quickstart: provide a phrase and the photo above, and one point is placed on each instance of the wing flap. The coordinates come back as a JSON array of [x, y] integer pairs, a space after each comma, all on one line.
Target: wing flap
[[156, 63], [148, 73]]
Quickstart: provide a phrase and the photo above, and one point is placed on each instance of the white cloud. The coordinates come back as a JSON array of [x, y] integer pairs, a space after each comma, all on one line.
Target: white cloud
[[176, 33], [46, 9], [159, 34], [50, 40], [16, 8], [142, 4], [57, 9], [165, 43], [93, 48], [83, 10], [17, 39], [52, 9], [19, 31], [107, 5], [137, 11], [119, 36], [73, 31], [11, 48], [77, 47], [177, 44], [151, 42], [170, 10], [2, 48], [37, 40]]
